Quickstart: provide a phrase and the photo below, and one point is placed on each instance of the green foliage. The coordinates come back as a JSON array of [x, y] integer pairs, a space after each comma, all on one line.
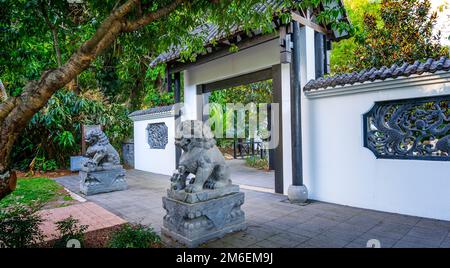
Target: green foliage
[[54, 133], [258, 93], [134, 236], [342, 55], [65, 139], [406, 35], [257, 162], [27, 42], [33, 191], [41, 164], [19, 226], [68, 229], [387, 32], [225, 143], [31, 31]]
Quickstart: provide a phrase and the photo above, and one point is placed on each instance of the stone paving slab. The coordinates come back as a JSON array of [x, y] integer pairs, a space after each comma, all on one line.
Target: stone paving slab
[[273, 222], [244, 175], [87, 213]]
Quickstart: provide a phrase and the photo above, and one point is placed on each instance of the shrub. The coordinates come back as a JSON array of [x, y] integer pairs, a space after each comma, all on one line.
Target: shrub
[[69, 229], [19, 226], [257, 162], [134, 236], [40, 163]]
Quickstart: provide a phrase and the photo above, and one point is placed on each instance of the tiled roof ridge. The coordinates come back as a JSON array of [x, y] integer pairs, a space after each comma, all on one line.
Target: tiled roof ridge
[[418, 67], [153, 110]]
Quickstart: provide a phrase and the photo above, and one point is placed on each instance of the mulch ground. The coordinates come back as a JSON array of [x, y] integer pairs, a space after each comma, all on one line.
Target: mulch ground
[[48, 174], [53, 174], [93, 239], [100, 238], [96, 239]]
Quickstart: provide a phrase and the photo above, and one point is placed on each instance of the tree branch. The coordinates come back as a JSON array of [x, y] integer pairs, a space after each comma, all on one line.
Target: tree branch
[[104, 28], [131, 26]]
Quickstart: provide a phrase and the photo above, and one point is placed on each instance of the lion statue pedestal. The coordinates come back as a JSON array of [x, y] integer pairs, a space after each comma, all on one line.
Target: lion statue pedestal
[[207, 206], [102, 171]]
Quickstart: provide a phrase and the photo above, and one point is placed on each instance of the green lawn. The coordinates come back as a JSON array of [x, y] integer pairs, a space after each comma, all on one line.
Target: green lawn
[[31, 190]]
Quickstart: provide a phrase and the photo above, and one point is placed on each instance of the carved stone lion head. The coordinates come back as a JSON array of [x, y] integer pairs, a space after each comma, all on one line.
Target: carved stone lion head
[[96, 136], [194, 133]]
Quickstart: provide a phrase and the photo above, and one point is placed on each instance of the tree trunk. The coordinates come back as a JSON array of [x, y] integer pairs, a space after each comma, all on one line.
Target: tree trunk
[[8, 183], [134, 102], [16, 112], [4, 95]]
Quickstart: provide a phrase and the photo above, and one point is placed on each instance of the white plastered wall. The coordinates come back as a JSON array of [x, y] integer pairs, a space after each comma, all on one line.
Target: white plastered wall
[[160, 161], [286, 124], [339, 169], [308, 72]]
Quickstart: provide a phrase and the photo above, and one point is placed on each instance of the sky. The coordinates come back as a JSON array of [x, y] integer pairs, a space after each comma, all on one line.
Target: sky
[[443, 21]]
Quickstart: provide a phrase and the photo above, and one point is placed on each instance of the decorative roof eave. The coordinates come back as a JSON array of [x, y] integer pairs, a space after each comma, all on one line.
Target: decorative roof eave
[[374, 74], [222, 37], [152, 113], [439, 77]]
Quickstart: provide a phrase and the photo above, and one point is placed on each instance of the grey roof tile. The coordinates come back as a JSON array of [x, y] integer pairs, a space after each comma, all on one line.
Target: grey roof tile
[[154, 110], [428, 66]]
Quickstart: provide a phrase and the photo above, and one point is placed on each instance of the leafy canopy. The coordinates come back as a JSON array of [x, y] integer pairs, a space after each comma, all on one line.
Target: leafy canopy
[[28, 45], [36, 34], [388, 32]]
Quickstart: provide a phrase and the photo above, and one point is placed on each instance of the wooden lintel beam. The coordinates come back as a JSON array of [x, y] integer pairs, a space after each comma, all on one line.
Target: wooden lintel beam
[[219, 51], [244, 79], [307, 22]]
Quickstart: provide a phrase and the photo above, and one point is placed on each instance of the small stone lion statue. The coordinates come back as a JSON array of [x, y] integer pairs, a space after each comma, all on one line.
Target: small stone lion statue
[[200, 157], [100, 152]]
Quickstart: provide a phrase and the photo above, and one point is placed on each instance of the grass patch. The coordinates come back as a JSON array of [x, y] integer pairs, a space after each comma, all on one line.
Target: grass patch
[[30, 191]]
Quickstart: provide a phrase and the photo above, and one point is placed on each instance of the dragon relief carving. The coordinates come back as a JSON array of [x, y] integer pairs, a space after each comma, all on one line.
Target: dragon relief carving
[[410, 129]]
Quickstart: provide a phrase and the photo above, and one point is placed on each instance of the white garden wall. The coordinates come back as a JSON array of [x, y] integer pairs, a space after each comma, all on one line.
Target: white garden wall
[[339, 169], [160, 161]]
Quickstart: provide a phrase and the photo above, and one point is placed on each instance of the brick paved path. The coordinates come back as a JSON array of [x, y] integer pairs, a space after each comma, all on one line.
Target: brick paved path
[[272, 222], [88, 213]]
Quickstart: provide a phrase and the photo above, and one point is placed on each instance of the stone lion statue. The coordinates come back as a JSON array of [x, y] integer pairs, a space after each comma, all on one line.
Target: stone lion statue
[[100, 152], [200, 157]]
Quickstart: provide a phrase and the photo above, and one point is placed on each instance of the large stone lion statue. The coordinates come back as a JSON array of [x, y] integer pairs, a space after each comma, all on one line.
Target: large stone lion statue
[[100, 152], [200, 157]]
